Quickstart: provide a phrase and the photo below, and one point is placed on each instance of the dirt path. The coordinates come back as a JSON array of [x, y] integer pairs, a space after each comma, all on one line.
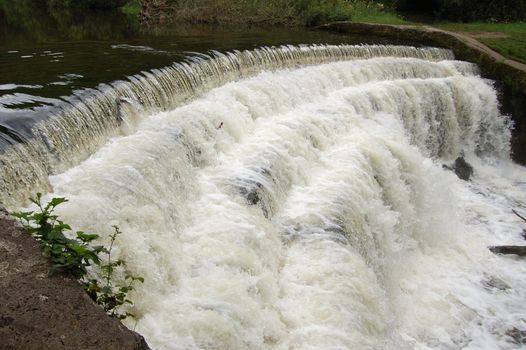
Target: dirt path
[[493, 35]]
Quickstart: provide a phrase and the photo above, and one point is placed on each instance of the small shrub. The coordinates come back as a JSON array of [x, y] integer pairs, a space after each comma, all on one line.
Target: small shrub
[[110, 295], [76, 255]]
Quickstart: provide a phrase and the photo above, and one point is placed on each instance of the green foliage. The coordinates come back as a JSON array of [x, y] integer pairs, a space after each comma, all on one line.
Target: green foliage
[[86, 4], [77, 255], [71, 255], [267, 12], [490, 10], [47, 21], [132, 7], [110, 295], [375, 12], [468, 10], [316, 12]]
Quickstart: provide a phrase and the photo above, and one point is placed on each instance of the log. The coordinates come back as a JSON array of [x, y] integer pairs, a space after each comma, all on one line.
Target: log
[[519, 250]]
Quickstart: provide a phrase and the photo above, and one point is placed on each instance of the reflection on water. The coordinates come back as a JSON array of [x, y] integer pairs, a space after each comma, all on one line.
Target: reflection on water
[[33, 21], [51, 53]]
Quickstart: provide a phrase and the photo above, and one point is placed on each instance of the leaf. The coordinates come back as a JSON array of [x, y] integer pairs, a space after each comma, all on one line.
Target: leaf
[[99, 249], [40, 216], [58, 248], [55, 201], [135, 278], [62, 226], [37, 200], [86, 237], [80, 250], [21, 215]]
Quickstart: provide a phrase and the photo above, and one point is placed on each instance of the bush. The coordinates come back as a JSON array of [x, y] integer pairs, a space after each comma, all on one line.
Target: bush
[[265, 12], [85, 4], [316, 12], [467, 10], [489, 10]]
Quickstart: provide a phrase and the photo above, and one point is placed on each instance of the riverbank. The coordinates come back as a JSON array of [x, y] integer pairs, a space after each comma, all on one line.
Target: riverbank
[[510, 75], [42, 312], [262, 13]]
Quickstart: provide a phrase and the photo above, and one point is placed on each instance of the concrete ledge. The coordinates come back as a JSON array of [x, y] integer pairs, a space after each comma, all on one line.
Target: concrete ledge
[[510, 75], [41, 312]]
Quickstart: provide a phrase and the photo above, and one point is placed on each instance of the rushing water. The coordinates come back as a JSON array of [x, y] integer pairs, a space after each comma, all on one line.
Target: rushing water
[[294, 198]]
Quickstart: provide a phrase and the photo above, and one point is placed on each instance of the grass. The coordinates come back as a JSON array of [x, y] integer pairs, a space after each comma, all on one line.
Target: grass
[[131, 8], [370, 12], [509, 39]]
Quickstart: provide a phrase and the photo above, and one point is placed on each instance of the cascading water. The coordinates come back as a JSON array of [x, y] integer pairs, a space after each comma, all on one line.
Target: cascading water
[[92, 116], [299, 200]]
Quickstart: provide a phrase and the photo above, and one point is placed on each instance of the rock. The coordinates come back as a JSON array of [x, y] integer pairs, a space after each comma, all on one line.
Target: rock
[[251, 195], [462, 169], [519, 250], [42, 312]]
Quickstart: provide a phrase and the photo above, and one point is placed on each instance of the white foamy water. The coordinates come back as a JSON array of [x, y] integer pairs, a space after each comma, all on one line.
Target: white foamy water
[[307, 208]]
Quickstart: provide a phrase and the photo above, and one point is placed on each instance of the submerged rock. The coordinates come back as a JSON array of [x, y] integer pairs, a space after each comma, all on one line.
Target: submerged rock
[[518, 336], [492, 282], [253, 197], [462, 168]]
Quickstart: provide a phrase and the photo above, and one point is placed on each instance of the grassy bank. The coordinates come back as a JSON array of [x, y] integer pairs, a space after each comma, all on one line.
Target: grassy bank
[[509, 39], [132, 7], [370, 12], [265, 12]]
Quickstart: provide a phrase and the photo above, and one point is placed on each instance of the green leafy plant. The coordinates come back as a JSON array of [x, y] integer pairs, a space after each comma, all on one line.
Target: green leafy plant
[[76, 255], [110, 295]]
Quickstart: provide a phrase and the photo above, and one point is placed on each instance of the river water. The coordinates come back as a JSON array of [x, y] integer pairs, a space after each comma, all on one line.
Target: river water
[[293, 197]]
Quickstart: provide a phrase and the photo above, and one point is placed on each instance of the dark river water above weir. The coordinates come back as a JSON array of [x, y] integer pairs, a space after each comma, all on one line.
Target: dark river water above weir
[[45, 57]]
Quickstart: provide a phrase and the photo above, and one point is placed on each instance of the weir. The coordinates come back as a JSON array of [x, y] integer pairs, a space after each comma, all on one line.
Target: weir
[[295, 198], [93, 116]]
